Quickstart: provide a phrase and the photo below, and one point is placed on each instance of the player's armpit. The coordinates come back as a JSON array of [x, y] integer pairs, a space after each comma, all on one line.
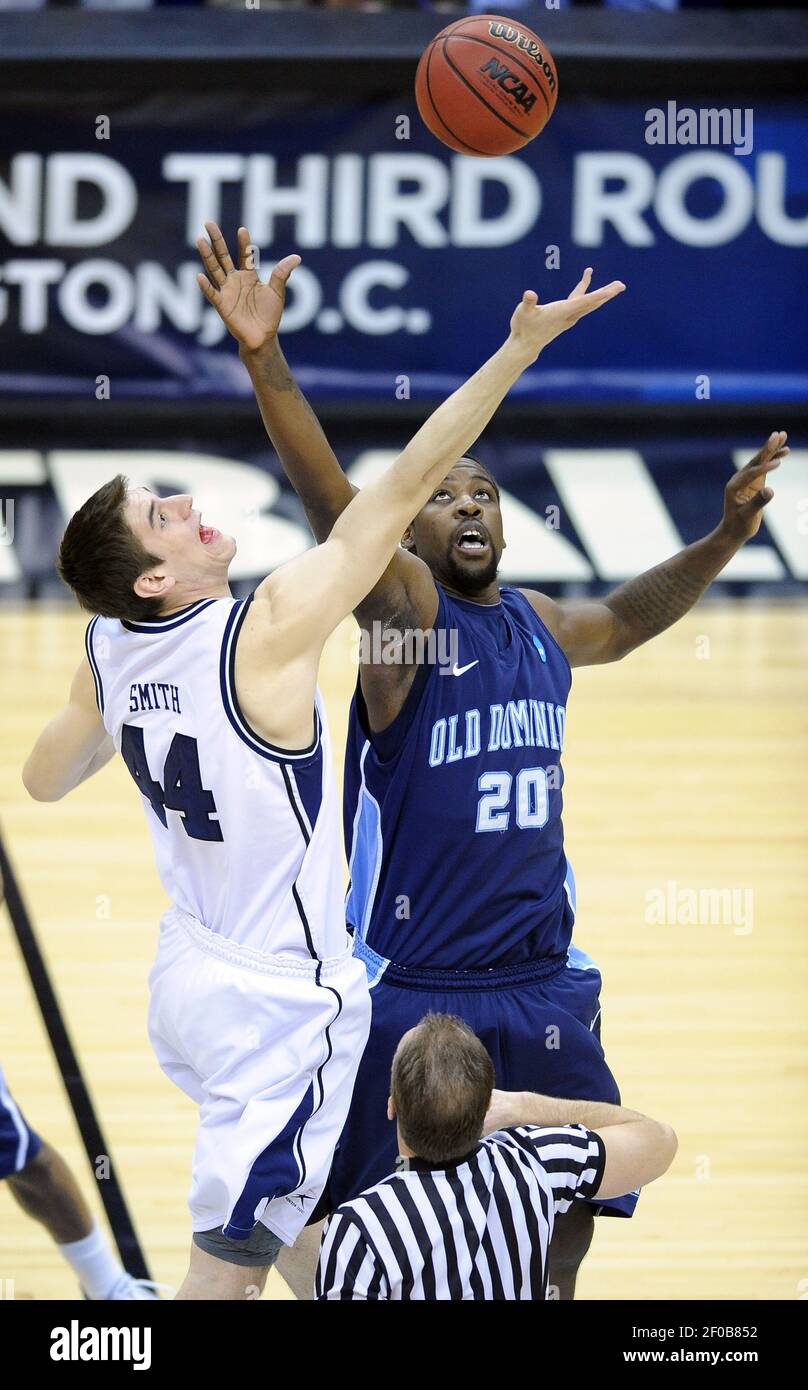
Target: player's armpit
[[404, 598], [72, 746]]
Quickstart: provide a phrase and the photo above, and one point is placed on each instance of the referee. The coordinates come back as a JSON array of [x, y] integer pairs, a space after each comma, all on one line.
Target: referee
[[466, 1217]]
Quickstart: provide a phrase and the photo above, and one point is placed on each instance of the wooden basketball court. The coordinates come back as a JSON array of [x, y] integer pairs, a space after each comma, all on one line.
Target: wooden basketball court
[[685, 771]]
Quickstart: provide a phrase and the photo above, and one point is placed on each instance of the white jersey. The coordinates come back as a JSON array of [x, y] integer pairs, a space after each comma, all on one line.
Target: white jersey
[[246, 836]]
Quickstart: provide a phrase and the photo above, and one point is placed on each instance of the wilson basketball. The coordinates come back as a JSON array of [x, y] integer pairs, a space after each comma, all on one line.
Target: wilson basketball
[[486, 85]]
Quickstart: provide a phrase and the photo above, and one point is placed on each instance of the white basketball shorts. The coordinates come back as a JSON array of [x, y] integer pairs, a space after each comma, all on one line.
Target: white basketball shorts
[[268, 1047]]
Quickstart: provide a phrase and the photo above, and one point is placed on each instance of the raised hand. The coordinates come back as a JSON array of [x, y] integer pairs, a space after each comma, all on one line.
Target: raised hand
[[251, 309], [534, 325], [746, 494]]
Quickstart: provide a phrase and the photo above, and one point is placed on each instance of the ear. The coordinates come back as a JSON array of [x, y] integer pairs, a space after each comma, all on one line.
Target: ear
[[391, 1109], [153, 584], [408, 541]]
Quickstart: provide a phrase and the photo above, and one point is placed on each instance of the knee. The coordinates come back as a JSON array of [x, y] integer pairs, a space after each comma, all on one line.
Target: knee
[[38, 1172]]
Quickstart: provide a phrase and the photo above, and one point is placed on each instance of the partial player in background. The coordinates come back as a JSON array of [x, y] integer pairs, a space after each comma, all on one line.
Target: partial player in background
[[259, 1010], [43, 1185], [462, 900]]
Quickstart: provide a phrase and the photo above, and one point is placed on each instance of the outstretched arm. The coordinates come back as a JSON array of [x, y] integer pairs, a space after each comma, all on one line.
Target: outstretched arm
[[252, 312], [73, 745], [596, 632], [308, 460], [312, 594]]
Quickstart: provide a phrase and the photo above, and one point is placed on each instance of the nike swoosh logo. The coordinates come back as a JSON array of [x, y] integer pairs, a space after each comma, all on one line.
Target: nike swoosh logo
[[461, 670]]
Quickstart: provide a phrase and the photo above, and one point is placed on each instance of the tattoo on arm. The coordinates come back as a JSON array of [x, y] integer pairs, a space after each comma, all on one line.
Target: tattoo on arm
[[299, 440], [278, 377], [654, 600]]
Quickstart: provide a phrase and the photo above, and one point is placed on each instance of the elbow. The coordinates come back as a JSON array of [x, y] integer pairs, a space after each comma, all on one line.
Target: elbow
[[35, 787], [669, 1145]]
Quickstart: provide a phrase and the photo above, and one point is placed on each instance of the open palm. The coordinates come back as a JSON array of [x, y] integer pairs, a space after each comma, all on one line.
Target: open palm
[[534, 325], [250, 309]]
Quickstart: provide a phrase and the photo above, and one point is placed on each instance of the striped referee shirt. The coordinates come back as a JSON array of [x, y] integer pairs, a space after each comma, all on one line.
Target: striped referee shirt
[[477, 1230]]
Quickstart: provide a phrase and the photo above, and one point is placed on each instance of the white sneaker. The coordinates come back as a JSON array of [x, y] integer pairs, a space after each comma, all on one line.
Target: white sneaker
[[127, 1287]]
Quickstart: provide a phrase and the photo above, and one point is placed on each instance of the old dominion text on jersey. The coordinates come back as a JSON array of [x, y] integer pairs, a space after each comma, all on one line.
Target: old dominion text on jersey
[[453, 813]]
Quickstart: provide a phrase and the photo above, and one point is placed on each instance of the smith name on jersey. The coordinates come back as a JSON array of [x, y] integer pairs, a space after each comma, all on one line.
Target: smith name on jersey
[[244, 833], [453, 813]]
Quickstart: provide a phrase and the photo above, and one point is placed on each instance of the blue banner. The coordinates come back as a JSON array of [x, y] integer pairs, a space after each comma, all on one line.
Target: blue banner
[[413, 258], [577, 519]]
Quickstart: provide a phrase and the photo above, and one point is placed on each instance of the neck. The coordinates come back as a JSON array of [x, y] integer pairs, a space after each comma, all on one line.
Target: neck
[[177, 602], [484, 597], [403, 1148]]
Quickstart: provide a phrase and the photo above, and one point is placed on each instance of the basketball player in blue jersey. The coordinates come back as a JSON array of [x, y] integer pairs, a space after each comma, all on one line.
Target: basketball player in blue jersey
[[259, 1009], [461, 898]]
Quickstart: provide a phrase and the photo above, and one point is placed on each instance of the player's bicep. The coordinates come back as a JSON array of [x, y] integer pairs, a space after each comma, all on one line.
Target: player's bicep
[[68, 743], [304, 600]]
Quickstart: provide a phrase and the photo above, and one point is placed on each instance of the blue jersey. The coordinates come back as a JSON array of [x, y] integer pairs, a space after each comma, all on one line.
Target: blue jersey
[[453, 813]]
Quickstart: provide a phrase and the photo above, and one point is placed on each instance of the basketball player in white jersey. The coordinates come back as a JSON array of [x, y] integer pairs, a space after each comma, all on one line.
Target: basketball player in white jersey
[[258, 1009]]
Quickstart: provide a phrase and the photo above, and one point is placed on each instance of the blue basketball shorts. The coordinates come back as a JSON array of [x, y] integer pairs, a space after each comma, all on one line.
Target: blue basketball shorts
[[18, 1142], [540, 1023]]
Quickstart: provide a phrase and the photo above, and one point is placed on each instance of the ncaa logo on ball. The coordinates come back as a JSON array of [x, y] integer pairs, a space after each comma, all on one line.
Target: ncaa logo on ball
[[510, 82]]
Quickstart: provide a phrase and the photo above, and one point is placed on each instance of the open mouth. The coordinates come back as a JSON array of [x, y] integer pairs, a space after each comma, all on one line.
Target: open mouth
[[207, 534], [471, 540]]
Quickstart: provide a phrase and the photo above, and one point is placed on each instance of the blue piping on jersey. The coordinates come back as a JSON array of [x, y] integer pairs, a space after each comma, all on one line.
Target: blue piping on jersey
[[270, 1175], [576, 958], [579, 960], [171, 620], [88, 642], [570, 889], [232, 709], [374, 964], [367, 851]]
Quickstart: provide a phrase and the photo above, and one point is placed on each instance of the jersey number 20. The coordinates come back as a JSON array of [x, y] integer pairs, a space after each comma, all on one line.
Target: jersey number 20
[[183, 783], [532, 806]]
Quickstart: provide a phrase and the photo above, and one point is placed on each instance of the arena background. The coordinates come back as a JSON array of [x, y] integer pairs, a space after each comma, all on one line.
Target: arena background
[[119, 133]]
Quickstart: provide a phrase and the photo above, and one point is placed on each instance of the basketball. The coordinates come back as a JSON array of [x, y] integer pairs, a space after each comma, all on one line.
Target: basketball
[[486, 86]]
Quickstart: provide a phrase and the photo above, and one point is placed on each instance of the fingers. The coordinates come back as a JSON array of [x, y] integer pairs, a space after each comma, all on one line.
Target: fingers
[[588, 302], [219, 245], [752, 476], [282, 271], [774, 448], [210, 292], [530, 299], [244, 249], [583, 284], [214, 271]]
